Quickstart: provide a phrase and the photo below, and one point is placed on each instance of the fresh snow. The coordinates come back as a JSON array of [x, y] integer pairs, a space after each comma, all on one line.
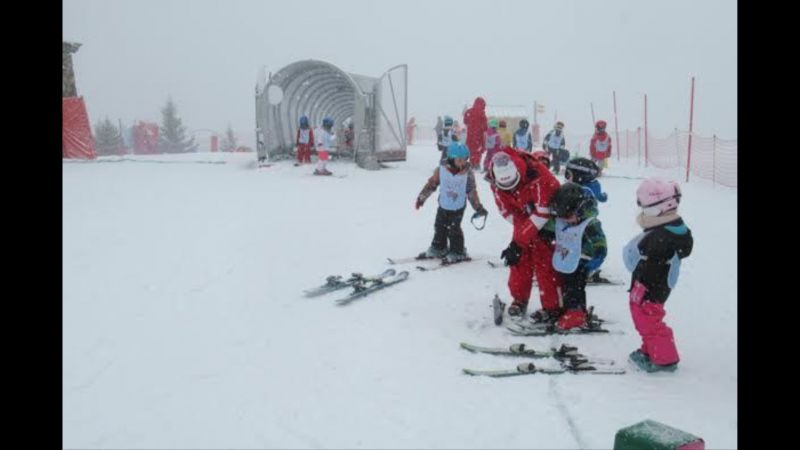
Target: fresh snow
[[185, 325]]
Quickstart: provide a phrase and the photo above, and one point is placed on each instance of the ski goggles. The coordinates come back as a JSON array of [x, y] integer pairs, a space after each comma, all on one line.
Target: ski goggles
[[653, 209]]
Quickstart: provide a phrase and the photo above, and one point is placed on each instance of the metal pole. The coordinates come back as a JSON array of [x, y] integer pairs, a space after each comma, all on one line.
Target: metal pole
[[691, 117], [677, 147], [616, 127], [627, 141], [593, 119], [645, 131]]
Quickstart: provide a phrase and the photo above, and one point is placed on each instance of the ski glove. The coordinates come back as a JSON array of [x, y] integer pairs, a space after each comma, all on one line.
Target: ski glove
[[511, 254], [419, 203]]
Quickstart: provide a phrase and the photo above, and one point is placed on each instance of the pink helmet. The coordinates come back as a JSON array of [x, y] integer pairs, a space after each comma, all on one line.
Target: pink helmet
[[656, 196]]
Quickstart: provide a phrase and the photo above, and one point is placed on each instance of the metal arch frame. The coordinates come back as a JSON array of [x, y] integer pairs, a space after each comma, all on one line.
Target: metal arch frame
[[318, 88]]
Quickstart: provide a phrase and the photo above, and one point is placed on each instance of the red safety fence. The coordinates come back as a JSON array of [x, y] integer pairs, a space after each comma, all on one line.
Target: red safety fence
[[713, 159], [76, 132]]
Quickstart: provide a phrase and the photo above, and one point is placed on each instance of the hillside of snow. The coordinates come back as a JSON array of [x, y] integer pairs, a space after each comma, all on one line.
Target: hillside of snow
[[185, 326]]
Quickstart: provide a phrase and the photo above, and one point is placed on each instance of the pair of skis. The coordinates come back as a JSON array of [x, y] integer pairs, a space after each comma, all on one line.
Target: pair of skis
[[362, 285], [569, 361], [443, 262]]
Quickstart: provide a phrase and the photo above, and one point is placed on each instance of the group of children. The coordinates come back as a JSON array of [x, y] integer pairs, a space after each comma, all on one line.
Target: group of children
[[559, 237], [323, 140]]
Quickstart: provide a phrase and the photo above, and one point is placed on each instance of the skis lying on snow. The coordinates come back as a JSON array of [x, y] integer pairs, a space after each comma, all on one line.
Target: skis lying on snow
[[564, 353], [361, 290], [444, 264], [528, 368], [420, 257], [335, 282]]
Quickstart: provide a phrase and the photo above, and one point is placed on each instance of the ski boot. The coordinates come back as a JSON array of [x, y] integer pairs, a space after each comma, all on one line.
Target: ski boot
[[546, 316], [517, 310], [573, 318], [433, 252], [641, 360], [454, 257]]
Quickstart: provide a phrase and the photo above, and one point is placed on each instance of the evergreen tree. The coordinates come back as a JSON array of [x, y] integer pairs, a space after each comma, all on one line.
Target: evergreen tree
[[229, 141], [172, 136], [108, 141]]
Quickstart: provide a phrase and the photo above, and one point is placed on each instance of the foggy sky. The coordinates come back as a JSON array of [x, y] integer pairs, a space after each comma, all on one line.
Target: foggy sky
[[564, 54]]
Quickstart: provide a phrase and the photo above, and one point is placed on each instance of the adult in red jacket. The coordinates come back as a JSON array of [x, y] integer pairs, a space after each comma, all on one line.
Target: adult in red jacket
[[522, 188], [475, 120], [600, 145]]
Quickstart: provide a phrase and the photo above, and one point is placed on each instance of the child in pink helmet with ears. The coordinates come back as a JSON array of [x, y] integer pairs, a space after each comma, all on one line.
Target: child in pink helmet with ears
[[654, 258]]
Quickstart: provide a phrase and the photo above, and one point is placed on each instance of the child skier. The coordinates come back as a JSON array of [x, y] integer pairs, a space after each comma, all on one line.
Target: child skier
[[555, 143], [457, 185], [492, 143], [654, 257], [584, 172], [580, 248], [304, 141], [600, 146], [325, 140], [522, 138], [445, 137], [505, 135]]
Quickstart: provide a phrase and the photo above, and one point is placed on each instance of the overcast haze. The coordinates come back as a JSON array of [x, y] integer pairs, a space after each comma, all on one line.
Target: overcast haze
[[564, 54]]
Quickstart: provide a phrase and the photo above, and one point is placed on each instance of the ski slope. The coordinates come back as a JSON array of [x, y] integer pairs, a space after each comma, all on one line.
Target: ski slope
[[184, 325]]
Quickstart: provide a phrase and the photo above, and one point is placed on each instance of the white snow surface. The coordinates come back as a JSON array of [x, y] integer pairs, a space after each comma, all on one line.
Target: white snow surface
[[185, 325]]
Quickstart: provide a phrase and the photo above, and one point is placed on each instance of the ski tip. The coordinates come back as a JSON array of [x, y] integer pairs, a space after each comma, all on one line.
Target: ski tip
[[391, 261]]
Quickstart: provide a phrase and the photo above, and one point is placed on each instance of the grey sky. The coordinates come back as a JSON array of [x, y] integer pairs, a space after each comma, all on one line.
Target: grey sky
[[564, 54]]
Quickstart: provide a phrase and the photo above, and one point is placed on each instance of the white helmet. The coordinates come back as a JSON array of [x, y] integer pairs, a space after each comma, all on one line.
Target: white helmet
[[506, 175]]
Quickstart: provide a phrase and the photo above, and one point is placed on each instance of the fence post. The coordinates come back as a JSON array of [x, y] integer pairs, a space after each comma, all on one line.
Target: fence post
[[616, 128], [714, 162], [691, 116], [627, 141], [639, 146], [677, 147], [645, 131]]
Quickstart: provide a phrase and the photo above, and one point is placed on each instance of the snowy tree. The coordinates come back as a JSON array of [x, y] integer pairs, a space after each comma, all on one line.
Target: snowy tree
[[229, 141], [108, 140], [172, 138]]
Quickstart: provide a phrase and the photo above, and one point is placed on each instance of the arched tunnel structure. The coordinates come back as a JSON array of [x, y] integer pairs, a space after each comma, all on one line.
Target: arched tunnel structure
[[377, 108]]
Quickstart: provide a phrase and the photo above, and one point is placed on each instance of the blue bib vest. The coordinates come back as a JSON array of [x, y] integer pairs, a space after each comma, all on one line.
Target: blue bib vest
[[452, 189], [569, 240], [305, 136], [555, 141]]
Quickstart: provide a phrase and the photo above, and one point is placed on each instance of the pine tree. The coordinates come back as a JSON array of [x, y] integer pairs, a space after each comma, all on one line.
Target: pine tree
[[172, 136], [229, 141], [108, 141]]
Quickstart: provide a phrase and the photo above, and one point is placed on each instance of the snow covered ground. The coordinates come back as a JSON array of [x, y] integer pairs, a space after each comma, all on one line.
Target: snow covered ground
[[185, 327]]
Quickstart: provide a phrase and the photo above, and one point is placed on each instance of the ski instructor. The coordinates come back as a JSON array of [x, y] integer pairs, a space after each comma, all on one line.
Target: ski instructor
[[522, 188], [477, 124]]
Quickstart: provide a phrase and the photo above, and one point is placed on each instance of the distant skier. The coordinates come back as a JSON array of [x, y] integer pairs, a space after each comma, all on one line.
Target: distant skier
[[492, 143], [555, 143], [522, 137], [522, 188], [654, 257], [457, 185], [600, 146], [580, 249], [505, 134], [325, 140], [410, 127], [475, 120], [304, 140], [445, 137]]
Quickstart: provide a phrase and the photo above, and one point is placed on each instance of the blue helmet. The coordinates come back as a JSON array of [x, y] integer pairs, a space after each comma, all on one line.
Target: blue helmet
[[457, 150], [327, 122], [304, 121]]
